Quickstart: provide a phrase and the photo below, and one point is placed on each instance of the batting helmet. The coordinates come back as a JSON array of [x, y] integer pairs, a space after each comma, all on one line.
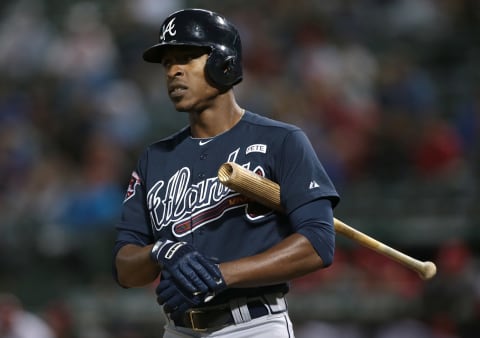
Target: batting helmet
[[199, 27]]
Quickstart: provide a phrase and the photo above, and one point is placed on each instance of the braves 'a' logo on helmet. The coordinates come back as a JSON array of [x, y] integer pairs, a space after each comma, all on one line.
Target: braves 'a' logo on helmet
[[168, 28]]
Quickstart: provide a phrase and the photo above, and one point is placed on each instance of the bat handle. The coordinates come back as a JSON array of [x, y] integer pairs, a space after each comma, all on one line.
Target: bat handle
[[425, 270]]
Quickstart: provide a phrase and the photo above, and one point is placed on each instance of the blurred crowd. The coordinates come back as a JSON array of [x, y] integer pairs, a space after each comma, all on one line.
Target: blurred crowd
[[387, 91]]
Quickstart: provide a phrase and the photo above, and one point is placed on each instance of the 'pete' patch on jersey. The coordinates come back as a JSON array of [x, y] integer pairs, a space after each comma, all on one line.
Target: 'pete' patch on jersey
[[256, 148], [132, 184]]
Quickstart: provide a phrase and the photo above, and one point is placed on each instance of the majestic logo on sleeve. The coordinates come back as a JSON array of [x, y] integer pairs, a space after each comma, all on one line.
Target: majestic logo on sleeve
[[168, 28]]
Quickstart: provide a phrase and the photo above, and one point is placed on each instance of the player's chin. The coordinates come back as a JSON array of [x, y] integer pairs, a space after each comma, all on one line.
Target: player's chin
[[182, 107], [180, 104], [189, 104]]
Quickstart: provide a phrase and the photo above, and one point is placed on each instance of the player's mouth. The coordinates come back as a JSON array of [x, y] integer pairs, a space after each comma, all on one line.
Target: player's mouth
[[176, 90]]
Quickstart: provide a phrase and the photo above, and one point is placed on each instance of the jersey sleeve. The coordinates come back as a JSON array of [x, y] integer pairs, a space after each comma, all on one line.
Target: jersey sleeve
[[301, 176], [134, 224], [314, 220]]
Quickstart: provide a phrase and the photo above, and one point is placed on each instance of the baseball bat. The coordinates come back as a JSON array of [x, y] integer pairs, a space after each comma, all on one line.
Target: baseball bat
[[267, 193]]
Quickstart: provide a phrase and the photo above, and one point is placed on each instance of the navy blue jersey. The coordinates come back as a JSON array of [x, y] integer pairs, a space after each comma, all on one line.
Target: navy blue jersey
[[174, 192]]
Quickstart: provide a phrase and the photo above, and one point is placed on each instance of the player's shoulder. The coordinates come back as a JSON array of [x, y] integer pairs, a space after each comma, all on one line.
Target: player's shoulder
[[169, 142], [262, 121]]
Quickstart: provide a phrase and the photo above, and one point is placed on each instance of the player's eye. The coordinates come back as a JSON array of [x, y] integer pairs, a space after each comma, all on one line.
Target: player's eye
[[184, 59], [166, 62], [178, 60]]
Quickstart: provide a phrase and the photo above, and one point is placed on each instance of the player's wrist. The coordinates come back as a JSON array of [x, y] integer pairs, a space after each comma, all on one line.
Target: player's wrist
[[230, 278], [156, 250]]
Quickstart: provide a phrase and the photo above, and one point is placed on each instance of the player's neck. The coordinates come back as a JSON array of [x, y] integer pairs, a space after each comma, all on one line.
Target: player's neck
[[215, 120]]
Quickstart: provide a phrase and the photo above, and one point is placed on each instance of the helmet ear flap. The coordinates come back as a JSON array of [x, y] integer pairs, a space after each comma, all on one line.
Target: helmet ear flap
[[222, 70]]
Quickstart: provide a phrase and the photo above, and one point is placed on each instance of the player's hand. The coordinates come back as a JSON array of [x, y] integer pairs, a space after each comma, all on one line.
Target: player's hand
[[174, 298], [189, 268]]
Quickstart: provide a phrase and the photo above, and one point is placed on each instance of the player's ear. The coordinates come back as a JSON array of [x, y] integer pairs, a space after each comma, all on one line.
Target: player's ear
[[228, 65], [222, 71]]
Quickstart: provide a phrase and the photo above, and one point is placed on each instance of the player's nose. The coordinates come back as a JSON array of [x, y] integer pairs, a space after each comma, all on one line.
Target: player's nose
[[174, 70]]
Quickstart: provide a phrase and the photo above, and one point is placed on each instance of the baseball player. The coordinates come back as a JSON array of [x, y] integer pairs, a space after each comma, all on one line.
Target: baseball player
[[225, 264]]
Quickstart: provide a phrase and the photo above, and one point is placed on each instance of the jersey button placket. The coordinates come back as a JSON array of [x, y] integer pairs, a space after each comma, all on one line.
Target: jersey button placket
[[200, 174], [203, 156]]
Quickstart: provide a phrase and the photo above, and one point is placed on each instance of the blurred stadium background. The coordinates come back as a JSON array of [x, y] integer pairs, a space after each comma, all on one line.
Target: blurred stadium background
[[388, 92]]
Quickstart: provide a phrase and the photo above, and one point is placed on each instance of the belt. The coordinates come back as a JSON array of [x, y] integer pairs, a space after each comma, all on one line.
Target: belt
[[217, 317]]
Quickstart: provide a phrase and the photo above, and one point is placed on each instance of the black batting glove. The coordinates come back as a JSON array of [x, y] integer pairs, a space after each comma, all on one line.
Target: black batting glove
[[188, 268], [175, 299]]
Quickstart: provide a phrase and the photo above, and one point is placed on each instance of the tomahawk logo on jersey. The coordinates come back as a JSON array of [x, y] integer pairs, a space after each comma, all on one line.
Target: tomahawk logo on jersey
[[134, 182]]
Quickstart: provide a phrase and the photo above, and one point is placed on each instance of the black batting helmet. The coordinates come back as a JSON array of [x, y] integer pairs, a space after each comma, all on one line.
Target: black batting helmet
[[199, 27]]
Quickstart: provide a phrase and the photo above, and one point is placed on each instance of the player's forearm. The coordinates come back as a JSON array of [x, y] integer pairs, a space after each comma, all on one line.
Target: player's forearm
[[134, 266], [289, 259]]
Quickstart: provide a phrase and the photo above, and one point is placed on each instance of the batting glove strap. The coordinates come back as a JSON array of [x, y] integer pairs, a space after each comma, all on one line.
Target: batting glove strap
[[165, 250]]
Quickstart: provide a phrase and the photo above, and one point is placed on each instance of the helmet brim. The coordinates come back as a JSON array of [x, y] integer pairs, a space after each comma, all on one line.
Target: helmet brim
[[155, 53]]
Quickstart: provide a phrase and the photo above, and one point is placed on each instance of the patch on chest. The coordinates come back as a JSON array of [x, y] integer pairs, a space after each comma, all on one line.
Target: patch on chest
[[256, 148]]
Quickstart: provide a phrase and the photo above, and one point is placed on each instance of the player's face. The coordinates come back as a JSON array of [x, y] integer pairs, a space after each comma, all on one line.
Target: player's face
[[186, 83]]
